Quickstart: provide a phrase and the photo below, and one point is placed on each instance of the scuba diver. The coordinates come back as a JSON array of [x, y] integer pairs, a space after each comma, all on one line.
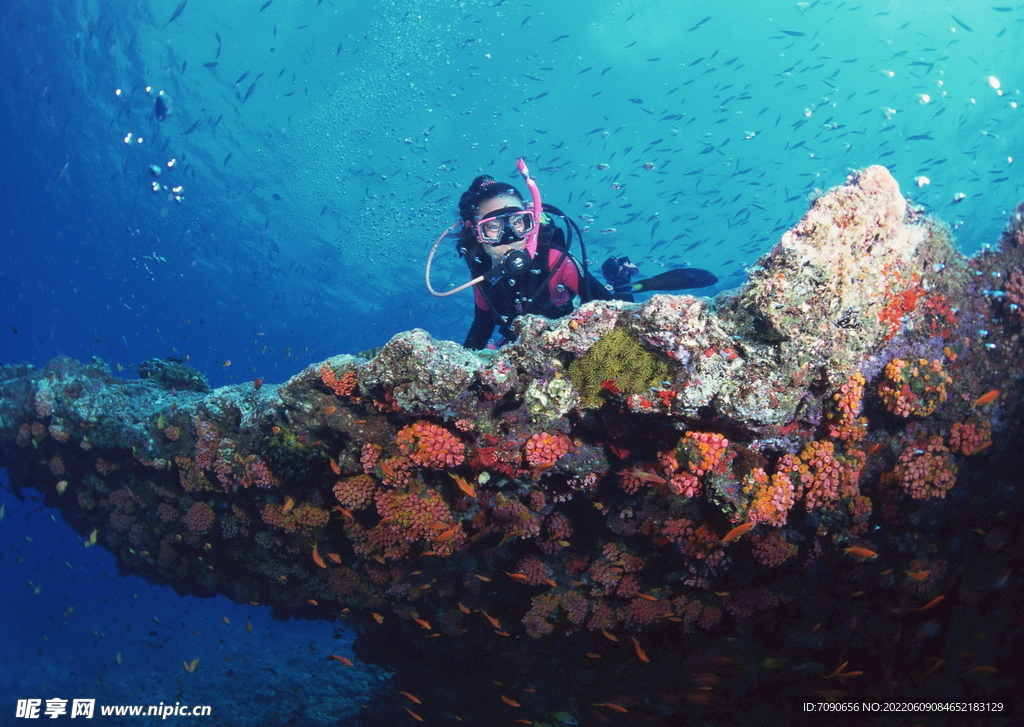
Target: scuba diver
[[520, 261]]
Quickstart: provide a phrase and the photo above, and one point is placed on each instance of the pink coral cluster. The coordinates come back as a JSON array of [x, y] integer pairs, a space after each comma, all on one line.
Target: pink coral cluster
[[355, 492], [699, 542], [771, 497], [818, 474], [1015, 292], [207, 439], [969, 438], [535, 570], [430, 445], [685, 485], [199, 518], [926, 469], [543, 450], [843, 421], [914, 388], [772, 549]]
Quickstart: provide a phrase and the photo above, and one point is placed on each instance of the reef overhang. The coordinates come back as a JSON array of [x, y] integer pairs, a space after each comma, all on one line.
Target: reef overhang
[[669, 468]]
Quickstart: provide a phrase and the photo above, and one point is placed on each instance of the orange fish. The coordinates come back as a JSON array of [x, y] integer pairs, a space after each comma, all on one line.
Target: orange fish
[[612, 706], [643, 475], [737, 532], [190, 666], [316, 557], [248, 626], [411, 697], [413, 714], [934, 667], [934, 602], [330, 410], [335, 557], [461, 483], [289, 503], [862, 553], [516, 576], [645, 596], [257, 383], [485, 579], [275, 430], [550, 582], [987, 398], [592, 655], [425, 624], [377, 617], [639, 651], [312, 602], [447, 534], [494, 622], [509, 701], [608, 635], [335, 467], [464, 609], [502, 633], [343, 660], [980, 447], [918, 575], [983, 670]]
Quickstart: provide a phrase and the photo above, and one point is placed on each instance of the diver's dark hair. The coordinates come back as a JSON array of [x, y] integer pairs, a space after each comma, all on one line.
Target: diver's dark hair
[[482, 189]]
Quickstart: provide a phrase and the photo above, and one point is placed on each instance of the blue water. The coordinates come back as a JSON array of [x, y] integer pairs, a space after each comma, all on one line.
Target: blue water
[[306, 210]]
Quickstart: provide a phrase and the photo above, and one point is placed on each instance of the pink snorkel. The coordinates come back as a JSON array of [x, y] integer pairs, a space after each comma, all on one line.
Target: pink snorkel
[[531, 236], [538, 210]]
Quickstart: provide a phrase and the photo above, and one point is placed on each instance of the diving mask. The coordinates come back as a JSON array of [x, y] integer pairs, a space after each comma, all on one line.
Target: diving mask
[[505, 226]]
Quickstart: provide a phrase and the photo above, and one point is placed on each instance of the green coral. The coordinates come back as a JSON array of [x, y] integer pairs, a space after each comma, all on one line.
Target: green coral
[[619, 358]]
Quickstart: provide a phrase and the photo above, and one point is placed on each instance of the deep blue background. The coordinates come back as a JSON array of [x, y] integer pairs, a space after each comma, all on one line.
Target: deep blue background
[[307, 209]]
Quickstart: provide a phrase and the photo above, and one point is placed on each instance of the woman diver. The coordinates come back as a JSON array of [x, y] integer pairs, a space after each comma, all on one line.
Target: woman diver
[[520, 261]]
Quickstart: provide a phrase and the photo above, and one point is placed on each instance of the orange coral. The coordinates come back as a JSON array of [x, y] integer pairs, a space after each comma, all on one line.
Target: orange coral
[[430, 445], [771, 498], [702, 451], [914, 388], [342, 386]]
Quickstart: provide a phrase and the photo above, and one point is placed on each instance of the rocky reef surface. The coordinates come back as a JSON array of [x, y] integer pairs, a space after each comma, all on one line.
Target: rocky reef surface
[[806, 489]]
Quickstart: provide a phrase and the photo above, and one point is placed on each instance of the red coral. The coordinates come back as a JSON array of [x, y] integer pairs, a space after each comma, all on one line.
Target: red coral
[[543, 450], [430, 445]]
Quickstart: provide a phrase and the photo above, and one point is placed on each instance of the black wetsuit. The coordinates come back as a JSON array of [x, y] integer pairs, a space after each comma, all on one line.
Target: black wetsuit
[[527, 293]]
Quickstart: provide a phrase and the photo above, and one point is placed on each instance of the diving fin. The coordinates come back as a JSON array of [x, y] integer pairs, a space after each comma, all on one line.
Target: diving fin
[[680, 279]]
